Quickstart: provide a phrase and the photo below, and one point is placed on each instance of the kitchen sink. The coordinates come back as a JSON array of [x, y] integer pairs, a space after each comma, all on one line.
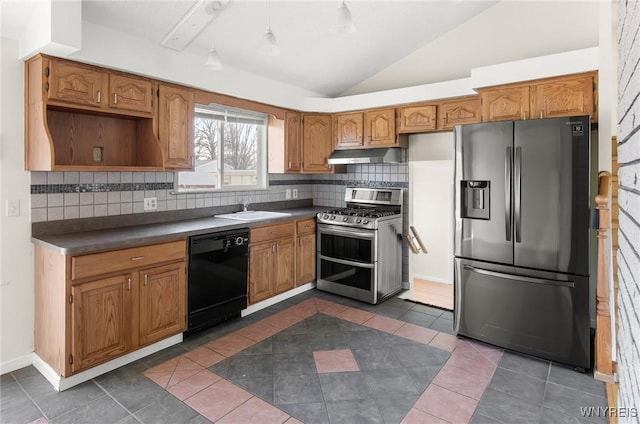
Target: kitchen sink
[[253, 215]]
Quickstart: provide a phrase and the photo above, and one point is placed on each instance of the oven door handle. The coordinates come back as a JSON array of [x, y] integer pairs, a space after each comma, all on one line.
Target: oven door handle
[[354, 233], [346, 262]]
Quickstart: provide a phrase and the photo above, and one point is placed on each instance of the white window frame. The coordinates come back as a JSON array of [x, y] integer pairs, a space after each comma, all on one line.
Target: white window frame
[[262, 176]]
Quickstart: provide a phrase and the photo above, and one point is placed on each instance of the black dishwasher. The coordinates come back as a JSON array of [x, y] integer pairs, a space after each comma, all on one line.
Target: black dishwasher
[[218, 264]]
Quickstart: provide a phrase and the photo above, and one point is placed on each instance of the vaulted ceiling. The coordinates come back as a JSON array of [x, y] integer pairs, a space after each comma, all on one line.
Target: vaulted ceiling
[[396, 43]]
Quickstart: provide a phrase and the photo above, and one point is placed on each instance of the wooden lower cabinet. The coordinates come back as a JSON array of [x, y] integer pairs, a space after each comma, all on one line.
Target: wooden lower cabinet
[[100, 321], [306, 259], [93, 308], [275, 255], [162, 306]]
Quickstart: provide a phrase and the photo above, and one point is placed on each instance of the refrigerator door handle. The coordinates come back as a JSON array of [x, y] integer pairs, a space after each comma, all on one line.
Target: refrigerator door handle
[[517, 193], [507, 194], [517, 277]]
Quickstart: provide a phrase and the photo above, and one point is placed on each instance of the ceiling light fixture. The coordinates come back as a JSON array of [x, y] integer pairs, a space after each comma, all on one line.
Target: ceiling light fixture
[[269, 43], [343, 23], [213, 61]]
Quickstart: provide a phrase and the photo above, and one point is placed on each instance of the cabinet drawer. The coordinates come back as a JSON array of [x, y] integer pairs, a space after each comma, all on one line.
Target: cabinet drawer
[[272, 232], [306, 226], [121, 260]]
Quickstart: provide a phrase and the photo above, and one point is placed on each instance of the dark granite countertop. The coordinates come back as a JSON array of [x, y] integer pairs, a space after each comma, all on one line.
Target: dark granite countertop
[[91, 241]]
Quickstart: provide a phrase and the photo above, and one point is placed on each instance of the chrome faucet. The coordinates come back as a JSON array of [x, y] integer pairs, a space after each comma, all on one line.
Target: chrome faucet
[[245, 204]]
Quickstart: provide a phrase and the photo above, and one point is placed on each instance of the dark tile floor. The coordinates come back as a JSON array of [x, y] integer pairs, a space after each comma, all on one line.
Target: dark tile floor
[[374, 369]]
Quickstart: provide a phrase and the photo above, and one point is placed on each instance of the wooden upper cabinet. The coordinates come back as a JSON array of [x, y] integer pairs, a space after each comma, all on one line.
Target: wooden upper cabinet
[[348, 130], [101, 321], [565, 96], [458, 112], [317, 144], [293, 141], [380, 128], [175, 126], [505, 103], [130, 93], [549, 98], [162, 302], [415, 119], [76, 84]]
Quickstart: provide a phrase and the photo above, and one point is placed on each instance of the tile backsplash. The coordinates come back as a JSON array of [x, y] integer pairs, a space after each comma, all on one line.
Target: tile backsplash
[[59, 196], [71, 195]]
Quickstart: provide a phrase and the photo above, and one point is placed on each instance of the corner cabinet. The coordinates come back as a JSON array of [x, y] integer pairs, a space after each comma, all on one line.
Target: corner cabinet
[[175, 126], [317, 143], [549, 98], [93, 308]]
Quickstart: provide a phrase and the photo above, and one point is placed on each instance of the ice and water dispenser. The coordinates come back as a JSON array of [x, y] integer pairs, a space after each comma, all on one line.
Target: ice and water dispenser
[[475, 199]]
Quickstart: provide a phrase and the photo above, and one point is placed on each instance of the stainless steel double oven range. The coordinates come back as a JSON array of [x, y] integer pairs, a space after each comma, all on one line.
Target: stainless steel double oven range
[[360, 246]]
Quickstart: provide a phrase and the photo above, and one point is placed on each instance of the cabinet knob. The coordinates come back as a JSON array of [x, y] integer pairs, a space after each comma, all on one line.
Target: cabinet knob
[[145, 279], [129, 283], [137, 258], [99, 97], [541, 115], [115, 98]]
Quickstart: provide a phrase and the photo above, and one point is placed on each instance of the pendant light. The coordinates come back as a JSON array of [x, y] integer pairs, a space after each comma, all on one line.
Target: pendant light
[[213, 62], [343, 23], [269, 43]]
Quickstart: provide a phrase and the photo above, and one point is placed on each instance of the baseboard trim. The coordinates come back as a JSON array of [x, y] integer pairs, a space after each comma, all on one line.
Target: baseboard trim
[[277, 298], [16, 363], [60, 383], [432, 279]]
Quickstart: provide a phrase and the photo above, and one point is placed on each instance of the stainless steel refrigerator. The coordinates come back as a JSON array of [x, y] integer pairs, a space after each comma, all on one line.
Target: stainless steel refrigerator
[[521, 245]]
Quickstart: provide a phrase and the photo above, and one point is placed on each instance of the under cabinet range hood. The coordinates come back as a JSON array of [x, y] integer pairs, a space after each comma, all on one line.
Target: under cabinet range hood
[[384, 155]]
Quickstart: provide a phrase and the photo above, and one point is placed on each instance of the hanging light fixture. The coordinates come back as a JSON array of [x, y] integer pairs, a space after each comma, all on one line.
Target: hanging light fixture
[[343, 23], [269, 43], [213, 62]]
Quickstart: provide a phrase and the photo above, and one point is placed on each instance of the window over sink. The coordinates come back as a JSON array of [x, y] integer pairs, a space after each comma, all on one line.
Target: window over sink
[[230, 149]]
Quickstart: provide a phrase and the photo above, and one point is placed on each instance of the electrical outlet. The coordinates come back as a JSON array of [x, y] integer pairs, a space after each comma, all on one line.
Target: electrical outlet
[[97, 154], [13, 208], [150, 203], [295, 193], [287, 193]]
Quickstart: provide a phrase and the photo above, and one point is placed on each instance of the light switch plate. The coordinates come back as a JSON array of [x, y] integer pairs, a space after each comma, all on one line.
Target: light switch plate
[[287, 193], [13, 208], [295, 193]]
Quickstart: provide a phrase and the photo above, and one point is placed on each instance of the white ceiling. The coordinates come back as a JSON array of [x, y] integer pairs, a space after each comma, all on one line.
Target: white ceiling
[[396, 44]]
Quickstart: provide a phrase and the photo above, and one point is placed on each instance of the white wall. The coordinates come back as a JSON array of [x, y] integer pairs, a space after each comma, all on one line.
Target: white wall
[[16, 259]]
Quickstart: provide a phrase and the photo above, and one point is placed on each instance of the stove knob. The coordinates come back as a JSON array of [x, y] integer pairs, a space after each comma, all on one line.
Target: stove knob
[[325, 216], [358, 220], [333, 217], [366, 221], [345, 219], [239, 241]]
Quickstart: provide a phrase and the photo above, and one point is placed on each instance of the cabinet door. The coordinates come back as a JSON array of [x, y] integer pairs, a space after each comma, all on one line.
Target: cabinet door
[[175, 131], [130, 93], [162, 302], [101, 321], [77, 84], [349, 130], [570, 96], [380, 128], [418, 119], [293, 142], [261, 257], [505, 104], [284, 277], [317, 145], [458, 112], [306, 259]]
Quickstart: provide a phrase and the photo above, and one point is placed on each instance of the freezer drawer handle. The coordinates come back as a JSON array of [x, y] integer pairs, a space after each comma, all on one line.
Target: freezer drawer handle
[[560, 283]]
